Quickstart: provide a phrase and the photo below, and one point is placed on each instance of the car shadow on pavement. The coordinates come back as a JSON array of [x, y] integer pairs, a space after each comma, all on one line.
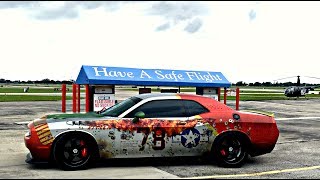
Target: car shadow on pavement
[[44, 166], [137, 162], [155, 161], [141, 162], [164, 161]]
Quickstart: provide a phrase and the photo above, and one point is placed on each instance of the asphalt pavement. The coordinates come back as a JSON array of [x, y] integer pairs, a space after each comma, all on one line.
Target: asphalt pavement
[[296, 154]]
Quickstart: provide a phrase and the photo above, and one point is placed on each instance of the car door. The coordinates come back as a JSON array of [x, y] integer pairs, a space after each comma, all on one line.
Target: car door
[[197, 140], [164, 118]]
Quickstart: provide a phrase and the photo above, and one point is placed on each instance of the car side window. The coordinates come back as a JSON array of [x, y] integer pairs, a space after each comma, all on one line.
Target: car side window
[[160, 109], [194, 108]]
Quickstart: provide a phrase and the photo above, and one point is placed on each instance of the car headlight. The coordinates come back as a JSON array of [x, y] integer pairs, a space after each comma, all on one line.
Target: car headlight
[[30, 124]]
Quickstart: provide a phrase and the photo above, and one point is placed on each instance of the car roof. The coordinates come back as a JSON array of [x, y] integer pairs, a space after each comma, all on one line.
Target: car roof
[[151, 95], [206, 101]]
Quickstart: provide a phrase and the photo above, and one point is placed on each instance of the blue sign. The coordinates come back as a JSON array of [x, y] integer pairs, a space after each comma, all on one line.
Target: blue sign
[[150, 77]]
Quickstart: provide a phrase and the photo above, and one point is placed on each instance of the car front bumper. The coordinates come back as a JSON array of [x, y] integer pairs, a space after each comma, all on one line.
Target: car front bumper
[[38, 151]]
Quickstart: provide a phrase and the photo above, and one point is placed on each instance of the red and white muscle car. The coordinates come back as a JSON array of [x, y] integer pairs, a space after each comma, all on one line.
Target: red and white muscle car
[[152, 125]]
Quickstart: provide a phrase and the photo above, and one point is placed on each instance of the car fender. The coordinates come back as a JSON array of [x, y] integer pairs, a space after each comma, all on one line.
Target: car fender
[[72, 130], [56, 137], [244, 135]]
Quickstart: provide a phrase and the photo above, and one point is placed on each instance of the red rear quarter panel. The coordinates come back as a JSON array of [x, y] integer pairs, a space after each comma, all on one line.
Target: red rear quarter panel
[[260, 129]]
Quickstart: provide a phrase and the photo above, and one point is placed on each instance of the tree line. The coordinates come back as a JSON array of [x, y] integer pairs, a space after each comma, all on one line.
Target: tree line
[[43, 81], [270, 84], [239, 83]]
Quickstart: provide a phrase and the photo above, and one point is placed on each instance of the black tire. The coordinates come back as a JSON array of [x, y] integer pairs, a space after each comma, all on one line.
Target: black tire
[[230, 149], [74, 151]]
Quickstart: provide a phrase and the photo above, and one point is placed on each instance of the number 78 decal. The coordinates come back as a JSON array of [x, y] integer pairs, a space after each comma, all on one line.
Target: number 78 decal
[[158, 136]]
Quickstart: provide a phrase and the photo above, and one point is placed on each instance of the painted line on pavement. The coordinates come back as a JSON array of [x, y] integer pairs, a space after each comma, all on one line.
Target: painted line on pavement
[[22, 122], [295, 118], [256, 174]]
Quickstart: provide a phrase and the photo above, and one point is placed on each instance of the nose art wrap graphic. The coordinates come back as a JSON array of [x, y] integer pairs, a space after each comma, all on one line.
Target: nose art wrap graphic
[[44, 134]]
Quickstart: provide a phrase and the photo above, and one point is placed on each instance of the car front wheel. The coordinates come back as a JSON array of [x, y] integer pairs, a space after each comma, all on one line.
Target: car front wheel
[[73, 151]]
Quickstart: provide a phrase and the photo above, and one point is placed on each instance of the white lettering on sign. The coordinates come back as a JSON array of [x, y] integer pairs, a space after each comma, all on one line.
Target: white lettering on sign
[[143, 73], [112, 73], [104, 70], [158, 74], [130, 75], [207, 77], [190, 75], [170, 76], [218, 77]]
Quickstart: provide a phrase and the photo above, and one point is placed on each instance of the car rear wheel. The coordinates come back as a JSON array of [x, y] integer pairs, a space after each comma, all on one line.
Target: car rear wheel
[[74, 151], [230, 150]]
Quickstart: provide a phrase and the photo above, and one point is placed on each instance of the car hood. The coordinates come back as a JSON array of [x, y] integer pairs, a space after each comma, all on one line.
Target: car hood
[[64, 117], [73, 115]]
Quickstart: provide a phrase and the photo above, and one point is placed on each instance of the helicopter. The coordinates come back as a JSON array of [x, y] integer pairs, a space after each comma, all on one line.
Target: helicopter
[[298, 91]]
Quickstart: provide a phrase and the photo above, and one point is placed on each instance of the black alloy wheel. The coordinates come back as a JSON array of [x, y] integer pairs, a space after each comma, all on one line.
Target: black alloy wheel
[[73, 152], [230, 150]]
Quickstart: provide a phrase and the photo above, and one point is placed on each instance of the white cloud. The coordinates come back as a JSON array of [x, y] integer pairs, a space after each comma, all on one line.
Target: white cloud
[[282, 40]]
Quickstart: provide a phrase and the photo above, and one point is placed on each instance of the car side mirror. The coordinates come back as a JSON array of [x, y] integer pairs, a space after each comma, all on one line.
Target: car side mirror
[[139, 115]]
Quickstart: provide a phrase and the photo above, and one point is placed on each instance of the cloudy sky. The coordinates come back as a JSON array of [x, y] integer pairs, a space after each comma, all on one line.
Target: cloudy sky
[[246, 41]]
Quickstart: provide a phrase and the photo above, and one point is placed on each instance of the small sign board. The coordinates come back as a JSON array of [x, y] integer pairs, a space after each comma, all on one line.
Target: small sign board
[[104, 89], [212, 96], [101, 101], [231, 92]]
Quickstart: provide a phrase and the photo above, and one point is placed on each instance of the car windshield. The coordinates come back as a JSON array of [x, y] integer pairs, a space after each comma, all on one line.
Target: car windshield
[[119, 108]]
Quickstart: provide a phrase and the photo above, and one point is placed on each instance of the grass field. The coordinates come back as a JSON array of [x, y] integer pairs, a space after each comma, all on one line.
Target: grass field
[[31, 90], [249, 97], [12, 98], [246, 93]]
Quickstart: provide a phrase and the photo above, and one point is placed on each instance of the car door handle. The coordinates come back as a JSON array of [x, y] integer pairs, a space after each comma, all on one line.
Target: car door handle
[[182, 123]]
